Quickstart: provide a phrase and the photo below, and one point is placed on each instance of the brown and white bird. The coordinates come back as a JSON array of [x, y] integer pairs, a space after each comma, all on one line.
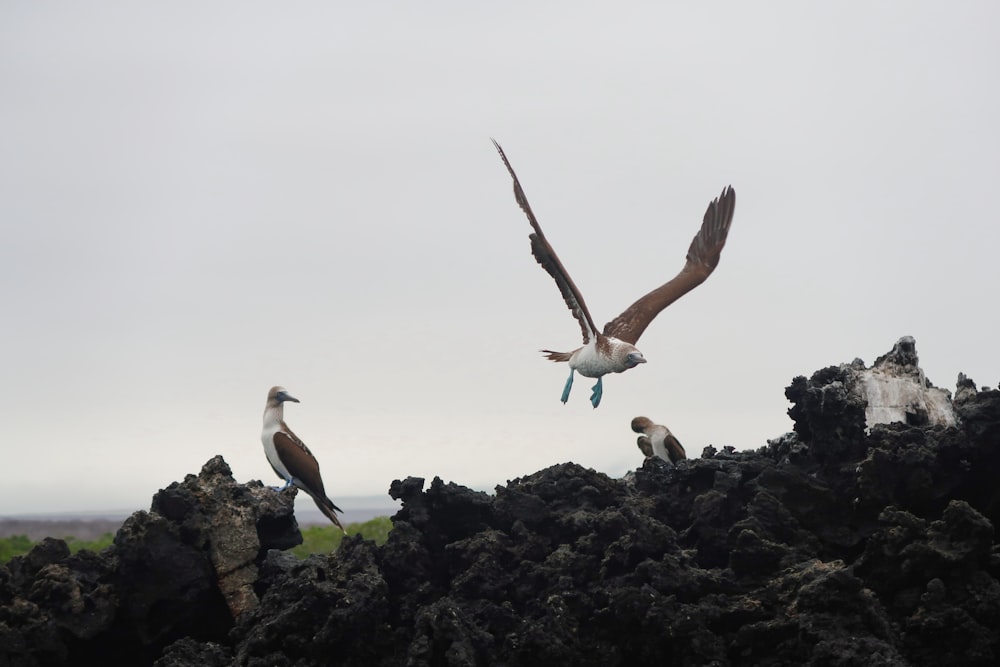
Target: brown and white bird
[[290, 457], [613, 350], [657, 440]]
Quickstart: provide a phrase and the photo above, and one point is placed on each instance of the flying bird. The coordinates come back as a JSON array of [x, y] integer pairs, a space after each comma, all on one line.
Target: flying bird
[[290, 457], [657, 440], [613, 350]]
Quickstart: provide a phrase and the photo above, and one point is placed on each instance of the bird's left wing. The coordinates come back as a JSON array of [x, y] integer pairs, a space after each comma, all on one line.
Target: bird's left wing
[[702, 258], [674, 447]]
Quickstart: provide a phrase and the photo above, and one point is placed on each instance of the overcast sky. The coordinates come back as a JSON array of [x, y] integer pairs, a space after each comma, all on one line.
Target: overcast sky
[[201, 200]]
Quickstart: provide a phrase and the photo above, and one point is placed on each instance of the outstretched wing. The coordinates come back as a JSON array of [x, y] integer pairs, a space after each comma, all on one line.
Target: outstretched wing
[[702, 258], [546, 256]]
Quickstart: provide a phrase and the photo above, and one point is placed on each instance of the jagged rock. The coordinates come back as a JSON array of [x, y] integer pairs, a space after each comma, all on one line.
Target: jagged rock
[[169, 574], [847, 542], [897, 391], [894, 389], [214, 514], [978, 410], [829, 412], [191, 653]]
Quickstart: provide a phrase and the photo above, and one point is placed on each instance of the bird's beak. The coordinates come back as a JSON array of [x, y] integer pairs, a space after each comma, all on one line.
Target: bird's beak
[[289, 397], [641, 360]]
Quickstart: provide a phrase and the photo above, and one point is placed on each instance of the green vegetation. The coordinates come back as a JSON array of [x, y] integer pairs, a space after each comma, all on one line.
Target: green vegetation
[[100, 543], [326, 539], [18, 545], [15, 545], [315, 539]]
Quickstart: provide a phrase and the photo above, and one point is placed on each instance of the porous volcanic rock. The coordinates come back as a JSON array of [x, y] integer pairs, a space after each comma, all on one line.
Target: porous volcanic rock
[[184, 569], [846, 542]]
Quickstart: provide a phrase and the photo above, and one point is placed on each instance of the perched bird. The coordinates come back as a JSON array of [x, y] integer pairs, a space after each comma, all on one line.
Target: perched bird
[[657, 440], [290, 457], [613, 350]]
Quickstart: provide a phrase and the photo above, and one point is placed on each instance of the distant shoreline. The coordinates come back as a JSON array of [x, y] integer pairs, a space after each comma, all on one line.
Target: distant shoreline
[[89, 526]]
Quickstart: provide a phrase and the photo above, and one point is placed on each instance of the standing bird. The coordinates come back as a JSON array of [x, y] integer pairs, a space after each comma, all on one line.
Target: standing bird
[[290, 457], [657, 440], [614, 351]]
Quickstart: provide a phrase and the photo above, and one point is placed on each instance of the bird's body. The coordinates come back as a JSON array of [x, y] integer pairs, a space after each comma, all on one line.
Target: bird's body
[[657, 440], [613, 349], [289, 456], [600, 356]]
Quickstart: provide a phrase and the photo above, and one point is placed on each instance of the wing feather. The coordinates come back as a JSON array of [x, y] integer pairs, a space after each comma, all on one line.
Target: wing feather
[[546, 256], [301, 464], [702, 258], [674, 448]]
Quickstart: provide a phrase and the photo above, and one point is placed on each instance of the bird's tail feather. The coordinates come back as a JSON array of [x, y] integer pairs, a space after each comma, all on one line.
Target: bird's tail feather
[[557, 356], [327, 507]]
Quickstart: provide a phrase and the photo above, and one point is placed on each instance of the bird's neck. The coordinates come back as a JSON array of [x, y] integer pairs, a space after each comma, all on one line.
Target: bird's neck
[[274, 414]]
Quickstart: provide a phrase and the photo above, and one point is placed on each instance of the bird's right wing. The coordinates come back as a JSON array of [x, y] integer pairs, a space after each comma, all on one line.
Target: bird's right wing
[[546, 256], [299, 460]]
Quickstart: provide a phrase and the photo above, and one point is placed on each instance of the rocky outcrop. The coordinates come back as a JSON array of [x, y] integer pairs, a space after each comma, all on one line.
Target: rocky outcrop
[[895, 389], [187, 568], [846, 542]]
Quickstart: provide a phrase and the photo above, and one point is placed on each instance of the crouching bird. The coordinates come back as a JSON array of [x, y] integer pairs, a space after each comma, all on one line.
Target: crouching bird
[[290, 457], [657, 440], [613, 350]]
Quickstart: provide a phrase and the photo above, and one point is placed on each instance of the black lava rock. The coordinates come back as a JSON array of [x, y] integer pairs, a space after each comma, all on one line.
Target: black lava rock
[[843, 543]]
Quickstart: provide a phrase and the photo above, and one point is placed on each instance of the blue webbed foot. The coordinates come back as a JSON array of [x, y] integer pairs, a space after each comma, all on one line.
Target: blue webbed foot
[[279, 489], [569, 385], [595, 398]]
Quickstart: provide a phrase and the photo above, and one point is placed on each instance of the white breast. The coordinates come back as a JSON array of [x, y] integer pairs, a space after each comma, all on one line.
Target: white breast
[[586, 360], [658, 436], [267, 439]]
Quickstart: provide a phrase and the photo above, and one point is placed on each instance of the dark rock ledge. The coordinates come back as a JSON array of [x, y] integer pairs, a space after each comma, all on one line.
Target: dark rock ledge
[[846, 542]]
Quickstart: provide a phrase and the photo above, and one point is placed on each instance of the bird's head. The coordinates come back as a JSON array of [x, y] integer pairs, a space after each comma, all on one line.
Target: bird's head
[[279, 395], [634, 358], [640, 424]]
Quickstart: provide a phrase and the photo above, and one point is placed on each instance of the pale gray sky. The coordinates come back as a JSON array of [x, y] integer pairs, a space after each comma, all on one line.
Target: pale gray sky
[[201, 200]]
